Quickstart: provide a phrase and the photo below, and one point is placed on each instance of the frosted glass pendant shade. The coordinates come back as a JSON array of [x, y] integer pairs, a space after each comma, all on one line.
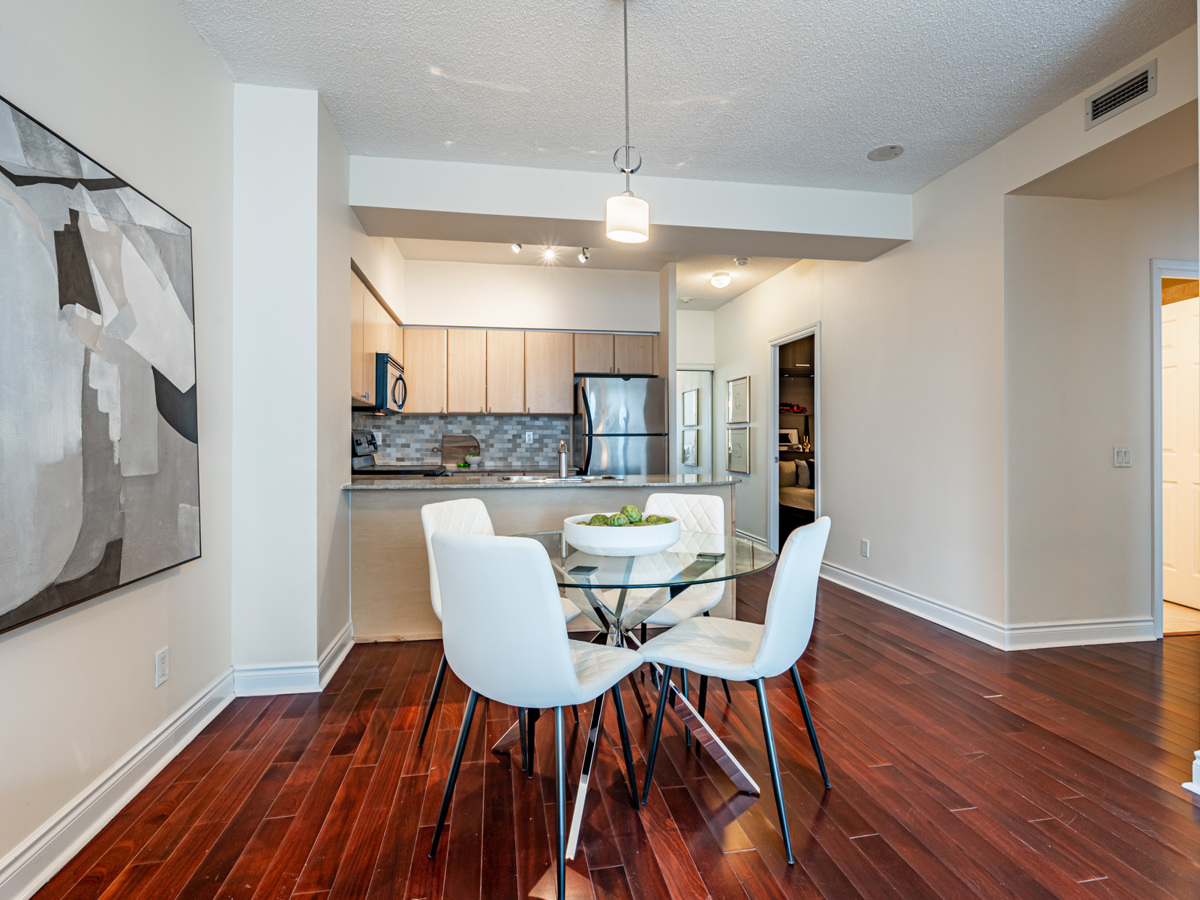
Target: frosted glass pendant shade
[[628, 219]]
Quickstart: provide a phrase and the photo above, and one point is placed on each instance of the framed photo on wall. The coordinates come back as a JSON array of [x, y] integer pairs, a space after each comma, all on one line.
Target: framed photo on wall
[[737, 450], [691, 408], [737, 400], [691, 448]]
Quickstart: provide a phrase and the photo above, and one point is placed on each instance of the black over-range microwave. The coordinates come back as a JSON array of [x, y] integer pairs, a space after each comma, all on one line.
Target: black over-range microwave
[[389, 390]]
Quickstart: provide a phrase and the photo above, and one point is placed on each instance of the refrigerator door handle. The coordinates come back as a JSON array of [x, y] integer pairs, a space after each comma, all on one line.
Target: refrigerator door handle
[[587, 454]]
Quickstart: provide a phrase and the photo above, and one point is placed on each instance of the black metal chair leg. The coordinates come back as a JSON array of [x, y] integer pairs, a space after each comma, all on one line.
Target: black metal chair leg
[[521, 726], [663, 692], [808, 723], [575, 711], [761, 687], [531, 717], [560, 800], [643, 641], [687, 734], [433, 699], [620, 705], [703, 694], [458, 755]]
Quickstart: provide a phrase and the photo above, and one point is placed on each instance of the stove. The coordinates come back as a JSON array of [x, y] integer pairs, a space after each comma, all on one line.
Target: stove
[[364, 446]]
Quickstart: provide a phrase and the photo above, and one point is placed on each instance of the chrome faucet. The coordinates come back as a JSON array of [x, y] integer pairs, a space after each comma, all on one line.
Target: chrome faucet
[[562, 459]]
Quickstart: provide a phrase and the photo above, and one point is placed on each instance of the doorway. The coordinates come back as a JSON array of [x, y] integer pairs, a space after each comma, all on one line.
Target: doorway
[[795, 474], [1176, 297]]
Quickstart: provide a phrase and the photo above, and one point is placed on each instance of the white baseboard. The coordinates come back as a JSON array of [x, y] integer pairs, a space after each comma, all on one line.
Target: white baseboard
[[48, 849], [992, 633], [297, 678], [1077, 634], [985, 630]]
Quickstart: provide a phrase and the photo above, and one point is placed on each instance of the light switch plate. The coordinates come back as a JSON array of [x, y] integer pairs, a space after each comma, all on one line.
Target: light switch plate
[[1122, 458]]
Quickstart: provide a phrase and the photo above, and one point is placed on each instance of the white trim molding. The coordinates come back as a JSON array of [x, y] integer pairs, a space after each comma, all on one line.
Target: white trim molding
[[48, 849], [1194, 785], [294, 678], [977, 627], [995, 634]]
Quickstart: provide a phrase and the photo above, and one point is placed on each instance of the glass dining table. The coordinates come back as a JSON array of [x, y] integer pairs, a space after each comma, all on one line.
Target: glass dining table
[[618, 594]]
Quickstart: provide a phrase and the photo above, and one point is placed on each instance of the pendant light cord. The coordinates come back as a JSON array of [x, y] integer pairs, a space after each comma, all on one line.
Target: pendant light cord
[[625, 16]]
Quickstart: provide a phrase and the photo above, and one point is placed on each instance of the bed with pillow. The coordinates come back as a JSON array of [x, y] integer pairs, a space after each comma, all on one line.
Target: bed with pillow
[[797, 495]]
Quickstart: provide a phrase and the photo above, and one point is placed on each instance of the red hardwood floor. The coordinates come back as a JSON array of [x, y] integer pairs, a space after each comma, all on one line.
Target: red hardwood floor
[[958, 771]]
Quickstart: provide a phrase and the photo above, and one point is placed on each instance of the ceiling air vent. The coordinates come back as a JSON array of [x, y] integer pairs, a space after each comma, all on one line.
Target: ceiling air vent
[[1116, 98]]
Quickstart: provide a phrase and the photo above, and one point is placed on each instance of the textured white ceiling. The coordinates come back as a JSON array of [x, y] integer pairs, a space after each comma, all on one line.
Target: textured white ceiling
[[770, 91], [693, 278]]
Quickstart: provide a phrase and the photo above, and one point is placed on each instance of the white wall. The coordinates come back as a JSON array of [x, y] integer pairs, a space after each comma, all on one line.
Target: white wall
[[335, 225], [1078, 357], [695, 341], [292, 227], [913, 374], [381, 261], [134, 86], [499, 296], [275, 344]]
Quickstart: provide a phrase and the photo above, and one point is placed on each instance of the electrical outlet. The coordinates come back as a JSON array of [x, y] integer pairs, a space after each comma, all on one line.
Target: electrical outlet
[[162, 666], [1122, 458], [529, 437], [864, 547], [378, 436]]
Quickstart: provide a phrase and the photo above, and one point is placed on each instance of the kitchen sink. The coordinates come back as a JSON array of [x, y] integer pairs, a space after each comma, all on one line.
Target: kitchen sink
[[554, 479]]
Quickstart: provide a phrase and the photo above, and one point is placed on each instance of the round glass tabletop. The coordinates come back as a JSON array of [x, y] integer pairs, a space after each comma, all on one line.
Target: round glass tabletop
[[697, 558]]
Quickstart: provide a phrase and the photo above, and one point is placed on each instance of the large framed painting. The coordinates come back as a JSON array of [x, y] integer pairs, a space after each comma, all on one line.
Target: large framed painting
[[99, 472]]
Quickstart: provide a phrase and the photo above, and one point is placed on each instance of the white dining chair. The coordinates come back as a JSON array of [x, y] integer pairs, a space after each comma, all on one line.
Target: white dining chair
[[505, 638], [698, 514], [745, 651], [465, 516]]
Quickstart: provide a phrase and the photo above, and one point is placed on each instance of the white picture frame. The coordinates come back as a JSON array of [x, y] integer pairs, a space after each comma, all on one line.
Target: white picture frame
[[691, 408], [737, 401], [737, 450], [691, 448]]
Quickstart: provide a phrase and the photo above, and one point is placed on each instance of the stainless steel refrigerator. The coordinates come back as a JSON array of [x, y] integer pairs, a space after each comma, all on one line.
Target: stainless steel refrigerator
[[620, 425]]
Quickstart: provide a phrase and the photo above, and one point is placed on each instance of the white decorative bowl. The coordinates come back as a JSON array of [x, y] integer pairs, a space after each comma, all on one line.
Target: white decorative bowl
[[623, 541]]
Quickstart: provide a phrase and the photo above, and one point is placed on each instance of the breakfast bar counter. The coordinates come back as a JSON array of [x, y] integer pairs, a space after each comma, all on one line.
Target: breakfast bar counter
[[389, 568]]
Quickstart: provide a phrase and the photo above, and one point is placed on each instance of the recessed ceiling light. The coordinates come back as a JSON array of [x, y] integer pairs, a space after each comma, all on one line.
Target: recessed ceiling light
[[742, 260], [516, 248], [884, 153], [720, 279], [583, 254], [549, 254]]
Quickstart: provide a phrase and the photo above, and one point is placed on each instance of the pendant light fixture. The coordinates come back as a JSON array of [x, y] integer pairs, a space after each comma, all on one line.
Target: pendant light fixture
[[627, 218]]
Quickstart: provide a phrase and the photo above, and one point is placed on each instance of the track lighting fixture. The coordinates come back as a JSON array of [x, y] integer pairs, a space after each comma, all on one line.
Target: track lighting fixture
[[516, 248], [583, 254]]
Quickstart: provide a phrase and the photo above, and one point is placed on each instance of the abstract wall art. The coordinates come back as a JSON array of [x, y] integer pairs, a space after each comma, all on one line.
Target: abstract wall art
[[99, 473]]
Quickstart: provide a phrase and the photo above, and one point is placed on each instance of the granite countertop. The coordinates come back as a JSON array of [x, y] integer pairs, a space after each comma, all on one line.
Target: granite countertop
[[480, 482]]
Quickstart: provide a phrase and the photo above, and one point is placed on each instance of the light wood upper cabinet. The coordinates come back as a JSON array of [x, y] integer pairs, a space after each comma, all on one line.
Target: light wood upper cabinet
[[549, 374], [466, 370], [425, 370], [506, 371], [593, 353], [358, 294], [633, 354], [396, 345]]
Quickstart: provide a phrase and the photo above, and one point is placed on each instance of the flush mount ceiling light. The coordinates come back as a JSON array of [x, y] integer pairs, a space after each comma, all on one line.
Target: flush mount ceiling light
[[627, 218], [720, 279], [583, 254], [516, 248], [884, 153]]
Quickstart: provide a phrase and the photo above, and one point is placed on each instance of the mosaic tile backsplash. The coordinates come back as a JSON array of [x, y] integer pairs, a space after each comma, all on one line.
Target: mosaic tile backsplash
[[411, 439]]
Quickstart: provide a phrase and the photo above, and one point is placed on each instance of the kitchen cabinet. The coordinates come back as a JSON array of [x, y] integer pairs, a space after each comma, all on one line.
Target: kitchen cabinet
[[633, 354], [506, 371], [466, 370], [549, 373], [358, 294], [425, 370], [593, 353]]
